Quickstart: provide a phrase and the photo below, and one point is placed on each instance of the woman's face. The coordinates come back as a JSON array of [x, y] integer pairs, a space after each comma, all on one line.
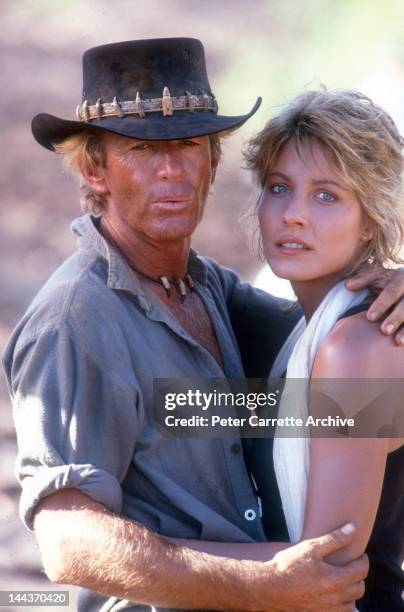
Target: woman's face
[[311, 221]]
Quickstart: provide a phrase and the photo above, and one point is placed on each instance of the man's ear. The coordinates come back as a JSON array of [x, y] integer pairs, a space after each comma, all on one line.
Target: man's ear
[[95, 179]]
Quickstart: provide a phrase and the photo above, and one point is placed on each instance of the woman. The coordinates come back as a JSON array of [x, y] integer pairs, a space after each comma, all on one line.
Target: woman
[[331, 170]]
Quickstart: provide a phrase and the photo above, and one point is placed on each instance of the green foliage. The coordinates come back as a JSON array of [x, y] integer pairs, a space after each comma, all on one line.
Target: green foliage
[[296, 45]]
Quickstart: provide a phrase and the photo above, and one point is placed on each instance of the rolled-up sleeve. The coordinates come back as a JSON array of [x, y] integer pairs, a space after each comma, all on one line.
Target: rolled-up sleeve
[[76, 420]]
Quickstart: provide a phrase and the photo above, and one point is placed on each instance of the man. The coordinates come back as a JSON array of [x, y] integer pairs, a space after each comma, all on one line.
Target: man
[[101, 486]]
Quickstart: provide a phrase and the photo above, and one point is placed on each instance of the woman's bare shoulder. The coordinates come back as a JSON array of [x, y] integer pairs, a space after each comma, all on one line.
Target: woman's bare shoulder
[[355, 348]]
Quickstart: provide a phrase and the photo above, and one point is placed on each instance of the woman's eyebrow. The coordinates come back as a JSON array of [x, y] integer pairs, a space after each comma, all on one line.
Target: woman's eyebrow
[[281, 174], [326, 181]]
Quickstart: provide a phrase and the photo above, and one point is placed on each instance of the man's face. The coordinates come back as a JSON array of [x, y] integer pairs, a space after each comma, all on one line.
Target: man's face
[[156, 188]]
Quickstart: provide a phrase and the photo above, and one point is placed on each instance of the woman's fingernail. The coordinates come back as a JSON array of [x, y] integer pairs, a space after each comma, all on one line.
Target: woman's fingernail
[[389, 328], [372, 316]]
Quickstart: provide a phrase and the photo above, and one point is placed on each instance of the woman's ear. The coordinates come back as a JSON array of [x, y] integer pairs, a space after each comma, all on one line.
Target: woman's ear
[[95, 179], [367, 235], [367, 230]]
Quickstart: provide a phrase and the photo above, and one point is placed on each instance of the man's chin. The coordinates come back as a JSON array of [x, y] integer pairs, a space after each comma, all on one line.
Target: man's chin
[[170, 232]]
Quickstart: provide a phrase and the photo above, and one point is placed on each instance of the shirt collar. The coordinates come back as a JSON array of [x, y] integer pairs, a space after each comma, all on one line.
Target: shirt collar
[[120, 275]]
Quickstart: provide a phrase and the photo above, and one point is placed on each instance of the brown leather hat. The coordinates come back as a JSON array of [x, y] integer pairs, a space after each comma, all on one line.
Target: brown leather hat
[[155, 89]]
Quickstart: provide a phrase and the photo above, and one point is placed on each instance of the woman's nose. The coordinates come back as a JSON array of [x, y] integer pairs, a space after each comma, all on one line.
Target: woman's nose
[[295, 211]]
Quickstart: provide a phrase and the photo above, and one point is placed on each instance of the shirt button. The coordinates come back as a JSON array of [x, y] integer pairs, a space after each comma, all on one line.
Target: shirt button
[[250, 515], [235, 448]]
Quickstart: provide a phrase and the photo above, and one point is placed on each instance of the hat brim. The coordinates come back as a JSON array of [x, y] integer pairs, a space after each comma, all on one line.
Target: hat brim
[[49, 130]]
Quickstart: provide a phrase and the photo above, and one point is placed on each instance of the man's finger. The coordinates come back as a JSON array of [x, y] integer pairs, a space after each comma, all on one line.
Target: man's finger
[[354, 591], [395, 320], [399, 337], [353, 572], [361, 281], [331, 542], [389, 297], [347, 594]]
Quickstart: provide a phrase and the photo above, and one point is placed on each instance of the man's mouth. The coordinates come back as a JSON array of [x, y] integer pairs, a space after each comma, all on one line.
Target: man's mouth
[[173, 198], [173, 203]]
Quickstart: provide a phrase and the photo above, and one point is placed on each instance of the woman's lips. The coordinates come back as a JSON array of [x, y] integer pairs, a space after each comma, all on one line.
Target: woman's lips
[[291, 246]]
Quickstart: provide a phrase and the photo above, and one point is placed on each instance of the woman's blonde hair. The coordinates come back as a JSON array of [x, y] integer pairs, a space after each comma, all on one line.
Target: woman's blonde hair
[[84, 152], [365, 146]]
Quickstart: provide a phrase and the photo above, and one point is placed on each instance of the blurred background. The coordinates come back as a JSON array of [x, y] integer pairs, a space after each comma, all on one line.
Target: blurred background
[[273, 48]]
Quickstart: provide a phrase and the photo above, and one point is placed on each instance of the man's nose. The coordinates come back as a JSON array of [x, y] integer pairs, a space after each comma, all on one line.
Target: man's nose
[[296, 210], [170, 165]]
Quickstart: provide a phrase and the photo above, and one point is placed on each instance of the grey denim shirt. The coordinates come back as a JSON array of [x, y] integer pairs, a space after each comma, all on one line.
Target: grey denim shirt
[[80, 367]]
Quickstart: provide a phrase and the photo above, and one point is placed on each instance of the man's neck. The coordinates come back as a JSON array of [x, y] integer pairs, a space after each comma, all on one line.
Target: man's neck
[[150, 257]]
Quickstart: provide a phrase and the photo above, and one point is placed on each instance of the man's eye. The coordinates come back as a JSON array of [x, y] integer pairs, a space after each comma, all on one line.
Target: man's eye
[[278, 188], [189, 143], [142, 146], [325, 196]]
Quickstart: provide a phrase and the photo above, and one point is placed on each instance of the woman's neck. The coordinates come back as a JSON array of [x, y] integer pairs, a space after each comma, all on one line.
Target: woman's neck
[[311, 293]]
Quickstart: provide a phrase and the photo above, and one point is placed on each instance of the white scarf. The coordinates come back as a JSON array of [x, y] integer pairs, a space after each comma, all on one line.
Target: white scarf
[[292, 455]]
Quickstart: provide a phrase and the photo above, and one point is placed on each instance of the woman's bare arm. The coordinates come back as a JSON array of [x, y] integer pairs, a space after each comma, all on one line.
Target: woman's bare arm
[[346, 474], [254, 551]]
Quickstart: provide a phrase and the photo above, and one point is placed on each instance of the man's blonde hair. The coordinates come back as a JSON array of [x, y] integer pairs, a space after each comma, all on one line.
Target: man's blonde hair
[[366, 148], [83, 152]]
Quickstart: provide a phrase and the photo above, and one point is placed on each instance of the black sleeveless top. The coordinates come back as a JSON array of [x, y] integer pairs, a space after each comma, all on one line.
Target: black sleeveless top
[[385, 581]]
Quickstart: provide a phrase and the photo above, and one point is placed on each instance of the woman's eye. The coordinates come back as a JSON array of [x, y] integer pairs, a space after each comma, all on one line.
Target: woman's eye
[[325, 196], [279, 188]]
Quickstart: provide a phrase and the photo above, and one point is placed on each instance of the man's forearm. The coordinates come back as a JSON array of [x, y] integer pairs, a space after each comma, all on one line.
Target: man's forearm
[[84, 544]]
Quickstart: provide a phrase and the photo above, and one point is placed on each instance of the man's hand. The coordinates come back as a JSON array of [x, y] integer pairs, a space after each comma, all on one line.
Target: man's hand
[[390, 285], [300, 580], [82, 543]]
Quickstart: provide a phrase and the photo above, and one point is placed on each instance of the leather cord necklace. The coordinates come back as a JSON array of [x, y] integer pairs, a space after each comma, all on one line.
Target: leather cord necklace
[[182, 284]]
